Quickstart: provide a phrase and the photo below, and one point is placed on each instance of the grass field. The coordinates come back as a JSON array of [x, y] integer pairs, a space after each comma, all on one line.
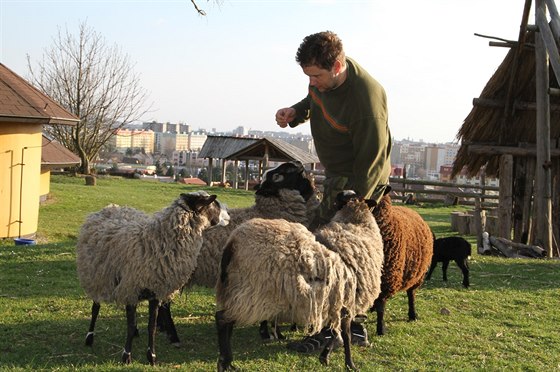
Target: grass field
[[508, 319]]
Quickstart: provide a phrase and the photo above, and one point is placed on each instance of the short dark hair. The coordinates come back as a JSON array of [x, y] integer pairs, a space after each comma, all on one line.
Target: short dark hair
[[321, 49]]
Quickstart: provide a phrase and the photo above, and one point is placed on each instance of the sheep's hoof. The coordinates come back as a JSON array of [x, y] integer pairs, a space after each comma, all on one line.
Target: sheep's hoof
[[89, 339], [151, 357], [225, 366], [324, 360], [126, 357], [351, 367]]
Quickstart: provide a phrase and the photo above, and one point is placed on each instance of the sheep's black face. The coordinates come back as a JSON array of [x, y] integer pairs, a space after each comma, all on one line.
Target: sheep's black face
[[343, 197], [201, 202], [285, 176]]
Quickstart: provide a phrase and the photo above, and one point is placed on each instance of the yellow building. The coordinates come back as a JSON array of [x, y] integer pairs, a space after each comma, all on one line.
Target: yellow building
[[23, 112], [125, 139]]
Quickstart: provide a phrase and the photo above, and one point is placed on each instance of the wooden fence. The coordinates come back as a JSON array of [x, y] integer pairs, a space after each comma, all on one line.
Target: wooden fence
[[450, 193]]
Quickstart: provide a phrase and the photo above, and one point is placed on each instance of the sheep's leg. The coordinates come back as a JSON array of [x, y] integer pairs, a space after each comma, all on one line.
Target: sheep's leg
[[152, 320], [275, 333], [411, 293], [347, 340], [432, 267], [166, 324], [263, 331], [131, 331], [225, 329], [161, 322], [94, 313], [464, 266], [379, 306], [444, 266]]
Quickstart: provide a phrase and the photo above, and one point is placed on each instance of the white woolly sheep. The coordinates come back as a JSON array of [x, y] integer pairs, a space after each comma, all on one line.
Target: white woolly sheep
[[285, 193], [408, 247], [278, 269], [450, 248], [125, 256]]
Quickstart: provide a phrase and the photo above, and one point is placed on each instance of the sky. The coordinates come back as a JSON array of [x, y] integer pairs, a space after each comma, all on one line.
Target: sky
[[236, 65]]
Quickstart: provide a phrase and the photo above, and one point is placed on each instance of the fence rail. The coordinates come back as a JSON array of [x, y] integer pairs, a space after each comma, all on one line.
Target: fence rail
[[447, 192]]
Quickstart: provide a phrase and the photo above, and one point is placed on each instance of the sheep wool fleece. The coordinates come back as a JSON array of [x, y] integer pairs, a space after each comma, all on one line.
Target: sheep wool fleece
[[122, 252], [289, 205], [279, 269]]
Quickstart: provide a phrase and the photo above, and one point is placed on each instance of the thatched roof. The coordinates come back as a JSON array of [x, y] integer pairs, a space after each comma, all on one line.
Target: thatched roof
[[483, 125], [241, 148]]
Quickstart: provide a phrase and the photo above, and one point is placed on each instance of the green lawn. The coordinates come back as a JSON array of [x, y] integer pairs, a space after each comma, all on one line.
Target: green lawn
[[507, 320]]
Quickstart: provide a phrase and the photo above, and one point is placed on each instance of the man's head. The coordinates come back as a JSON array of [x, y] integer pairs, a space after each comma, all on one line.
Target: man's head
[[321, 56]]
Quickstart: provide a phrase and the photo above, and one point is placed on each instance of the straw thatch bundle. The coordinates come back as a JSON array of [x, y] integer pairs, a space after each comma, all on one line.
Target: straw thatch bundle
[[483, 125]]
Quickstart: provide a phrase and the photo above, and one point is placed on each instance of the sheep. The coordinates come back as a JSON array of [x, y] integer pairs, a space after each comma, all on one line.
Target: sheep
[[285, 193], [276, 268], [450, 248], [408, 248], [125, 256]]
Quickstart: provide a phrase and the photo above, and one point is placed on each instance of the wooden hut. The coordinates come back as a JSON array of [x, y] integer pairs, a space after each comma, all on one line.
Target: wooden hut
[[513, 132], [261, 150]]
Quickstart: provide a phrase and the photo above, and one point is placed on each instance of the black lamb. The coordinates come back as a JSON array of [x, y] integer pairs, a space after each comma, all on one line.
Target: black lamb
[[452, 248]]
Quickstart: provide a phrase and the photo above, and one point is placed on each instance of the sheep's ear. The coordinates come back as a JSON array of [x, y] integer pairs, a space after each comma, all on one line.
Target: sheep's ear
[[196, 201], [204, 202], [387, 190], [305, 189], [371, 203], [343, 197]]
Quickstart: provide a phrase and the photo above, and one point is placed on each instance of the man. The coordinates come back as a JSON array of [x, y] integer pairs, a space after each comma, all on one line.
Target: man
[[347, 110]]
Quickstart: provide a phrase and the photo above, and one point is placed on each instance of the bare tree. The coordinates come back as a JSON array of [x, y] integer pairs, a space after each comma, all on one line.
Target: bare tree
[[201, 11], [94, 81]]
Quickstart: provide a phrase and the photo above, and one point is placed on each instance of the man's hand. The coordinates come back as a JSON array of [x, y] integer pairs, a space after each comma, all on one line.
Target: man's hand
[[285, 116]]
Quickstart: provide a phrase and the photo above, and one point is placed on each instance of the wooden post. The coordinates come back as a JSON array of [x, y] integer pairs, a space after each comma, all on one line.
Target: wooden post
[[518, 195], [528, 201], [479, 217], [235, 174], [556, 208], [506, 198], [210, 170], [543, 178], [223, 180], [246, 174]]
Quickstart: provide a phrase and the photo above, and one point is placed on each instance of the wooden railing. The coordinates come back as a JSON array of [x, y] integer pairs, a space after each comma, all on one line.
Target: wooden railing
[[446, 192]]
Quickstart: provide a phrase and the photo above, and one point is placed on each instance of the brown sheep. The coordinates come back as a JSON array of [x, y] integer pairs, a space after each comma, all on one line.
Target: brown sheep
[[408, 248]]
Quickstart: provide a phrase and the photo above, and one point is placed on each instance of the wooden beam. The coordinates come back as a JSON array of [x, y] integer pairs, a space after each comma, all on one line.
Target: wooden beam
[[511, 150], [549, 42], [517, 105], [554, 18], [506, 196], [543, 200]]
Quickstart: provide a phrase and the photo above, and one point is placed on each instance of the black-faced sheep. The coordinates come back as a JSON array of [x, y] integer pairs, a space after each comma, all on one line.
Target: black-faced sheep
[[285, 193], [278, 269], [125, 256], [451, 248], [408, 248]]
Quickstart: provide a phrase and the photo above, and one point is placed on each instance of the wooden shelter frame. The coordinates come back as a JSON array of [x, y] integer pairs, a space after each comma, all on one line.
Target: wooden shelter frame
[[536, 174]]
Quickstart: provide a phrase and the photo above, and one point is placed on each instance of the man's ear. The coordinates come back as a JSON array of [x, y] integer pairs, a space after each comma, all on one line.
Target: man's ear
[[337, 66]]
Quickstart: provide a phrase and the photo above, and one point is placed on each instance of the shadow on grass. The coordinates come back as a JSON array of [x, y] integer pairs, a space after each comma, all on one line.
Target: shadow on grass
[[39, 345], [496, 273]]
